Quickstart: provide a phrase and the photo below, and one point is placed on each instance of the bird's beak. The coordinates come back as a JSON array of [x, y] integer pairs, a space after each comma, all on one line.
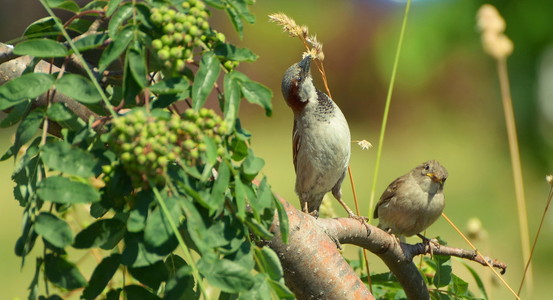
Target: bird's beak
[[305, 64], [435, 178]]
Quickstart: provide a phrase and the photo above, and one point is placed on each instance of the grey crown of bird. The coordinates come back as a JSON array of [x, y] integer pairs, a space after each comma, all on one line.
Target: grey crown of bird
[[413, 201], [321, 143]]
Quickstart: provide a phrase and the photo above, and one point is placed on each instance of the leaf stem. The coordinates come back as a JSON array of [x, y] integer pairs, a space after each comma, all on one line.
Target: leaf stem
[[187, 255], [387, 106], [81, 59]]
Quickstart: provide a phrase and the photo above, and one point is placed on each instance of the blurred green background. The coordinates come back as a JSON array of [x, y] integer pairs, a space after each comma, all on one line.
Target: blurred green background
[[446, 106]]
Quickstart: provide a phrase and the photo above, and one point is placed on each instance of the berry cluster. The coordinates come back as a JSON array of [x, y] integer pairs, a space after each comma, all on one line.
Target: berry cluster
[[147, 143], [182, 31]]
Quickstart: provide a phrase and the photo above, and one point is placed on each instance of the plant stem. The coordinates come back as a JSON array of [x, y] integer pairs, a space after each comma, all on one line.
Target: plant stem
[[515, 161], [187, 255], [387, 106], [535, 241], [81, 59]]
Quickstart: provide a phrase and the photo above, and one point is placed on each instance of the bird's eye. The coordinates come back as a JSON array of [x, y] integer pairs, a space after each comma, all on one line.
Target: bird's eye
[[426, 167], [298, 79]]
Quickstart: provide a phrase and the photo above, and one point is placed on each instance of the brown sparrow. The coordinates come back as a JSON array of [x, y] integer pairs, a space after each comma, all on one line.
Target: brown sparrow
[[414, 201]]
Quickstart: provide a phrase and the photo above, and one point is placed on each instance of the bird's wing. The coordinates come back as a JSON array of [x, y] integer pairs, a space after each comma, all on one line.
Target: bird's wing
[[296, 143], [388, 194]]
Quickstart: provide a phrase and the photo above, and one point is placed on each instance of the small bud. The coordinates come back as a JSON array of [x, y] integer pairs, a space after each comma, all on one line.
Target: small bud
[[549, 179]]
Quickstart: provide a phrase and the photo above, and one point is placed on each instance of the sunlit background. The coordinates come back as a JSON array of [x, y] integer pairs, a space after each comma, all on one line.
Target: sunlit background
[[446, 106]]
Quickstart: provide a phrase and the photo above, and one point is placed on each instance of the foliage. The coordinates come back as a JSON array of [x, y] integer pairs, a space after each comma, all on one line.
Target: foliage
[[438, 275], [170, 189]]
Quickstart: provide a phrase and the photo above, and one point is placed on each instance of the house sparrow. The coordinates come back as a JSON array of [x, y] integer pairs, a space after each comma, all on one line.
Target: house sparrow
[[414, 201], [321, 139]]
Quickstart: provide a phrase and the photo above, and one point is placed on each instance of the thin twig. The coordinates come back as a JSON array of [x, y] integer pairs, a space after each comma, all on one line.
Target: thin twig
[[357, 211], [480, 255], [515, 162], [387, 106], [535, 241]]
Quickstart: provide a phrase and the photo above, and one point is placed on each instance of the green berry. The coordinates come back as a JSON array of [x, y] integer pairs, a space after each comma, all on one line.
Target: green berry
[[194, 153], [204, 112], [156, 17], [204, 25], [189, 145], [157, 44], [221, 37], [180, 18], [169, 28], [187, 38], [228, 65], [176, 52], [141, 159], [180, 65], [202, 147], [179, 27], [163, 54], [138, 150], [126, 147], [194, 31], [166, 18], [167, 40], [171, 156], [126, 156], [185, 5], [151, 156], [107, 169], [190, 114], [162, 161]]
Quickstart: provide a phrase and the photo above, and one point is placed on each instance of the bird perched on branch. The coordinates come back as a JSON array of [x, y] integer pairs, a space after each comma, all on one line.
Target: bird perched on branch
[[413, 201], [321, 139]]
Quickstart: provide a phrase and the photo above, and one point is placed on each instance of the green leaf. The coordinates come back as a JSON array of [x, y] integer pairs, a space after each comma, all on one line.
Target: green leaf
[[101, 276], [443, 271], [282, 221], [251, 165], [226, 275], [60, 156], [217, 199], [65, 191], [458, 286], [281, 289], [138, 292], [181, 285], [173, 85], [16, 113], [63, 4], [91, 41], [136, 254], [240, 197], [41, 26], [112, 6], [158, 231], [63, 273], [137, 217], [206, 76], [57, 112], [257, 93], [28, 128], [41, 48], [137, 65], [104, 233], [219, 4], [478, 280], [79, 88], [258, 229], [211, 150], [116, 47], [241, 7], [53, 229], [269, 263], [121, 15], [232, 98], [151, 275], [231, 52], [236, 20], [28, 86]]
